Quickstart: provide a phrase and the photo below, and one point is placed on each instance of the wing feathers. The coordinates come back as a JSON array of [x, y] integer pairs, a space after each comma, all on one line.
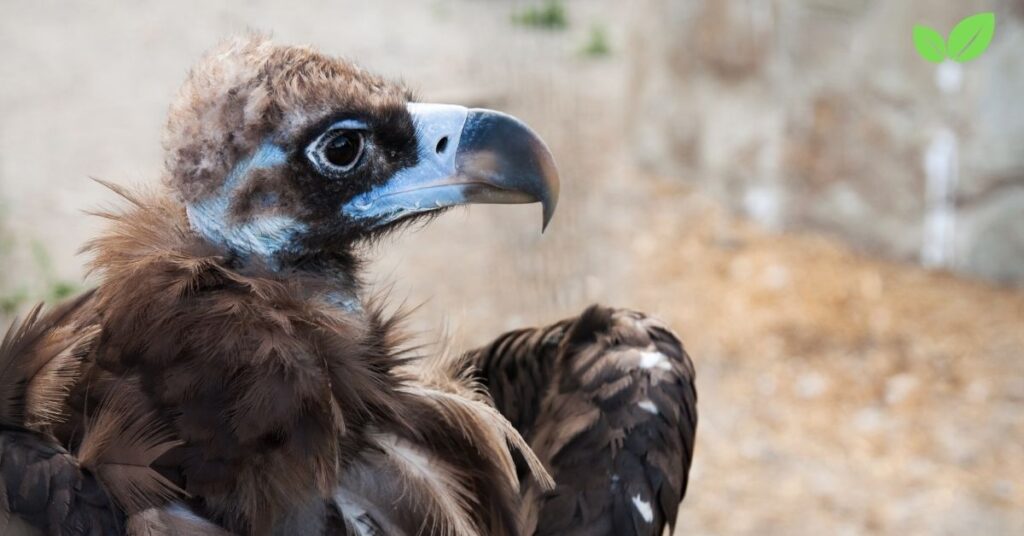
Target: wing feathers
[[482, 425], [442, 487], [120, 443], [42, 486], [38, 363], [611, 411], [48, 389], [398, 487]]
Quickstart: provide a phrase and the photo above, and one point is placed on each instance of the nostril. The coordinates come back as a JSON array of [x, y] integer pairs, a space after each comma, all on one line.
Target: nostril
[[442, 144]]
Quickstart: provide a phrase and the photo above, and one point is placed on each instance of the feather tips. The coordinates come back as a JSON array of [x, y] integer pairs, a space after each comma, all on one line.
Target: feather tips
[[47, 390], [39, 359], [172, 520], [440, 489], [20, 336], [120, 444], [485, 429]]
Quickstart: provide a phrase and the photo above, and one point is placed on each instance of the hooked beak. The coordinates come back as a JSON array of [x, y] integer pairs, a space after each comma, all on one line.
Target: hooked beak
[[465, 156]]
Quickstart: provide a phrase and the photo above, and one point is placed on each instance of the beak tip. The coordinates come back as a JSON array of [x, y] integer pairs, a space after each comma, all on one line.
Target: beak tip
[[550, 186], [548, 213]]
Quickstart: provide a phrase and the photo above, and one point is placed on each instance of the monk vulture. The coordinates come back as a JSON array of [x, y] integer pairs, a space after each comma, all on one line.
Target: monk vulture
[[229, 374]]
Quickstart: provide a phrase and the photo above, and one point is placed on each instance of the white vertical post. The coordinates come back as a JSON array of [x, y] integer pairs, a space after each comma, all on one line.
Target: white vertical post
[[941, 167]]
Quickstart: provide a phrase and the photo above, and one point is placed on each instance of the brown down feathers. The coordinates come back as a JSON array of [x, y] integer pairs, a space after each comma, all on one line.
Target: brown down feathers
[[266, 384]]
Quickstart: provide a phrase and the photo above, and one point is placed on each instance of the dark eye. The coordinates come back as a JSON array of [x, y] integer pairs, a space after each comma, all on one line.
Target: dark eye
[[343, 149], [336, 151]]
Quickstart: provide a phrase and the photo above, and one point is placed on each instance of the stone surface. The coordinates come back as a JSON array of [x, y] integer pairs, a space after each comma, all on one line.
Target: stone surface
[[819, 114]]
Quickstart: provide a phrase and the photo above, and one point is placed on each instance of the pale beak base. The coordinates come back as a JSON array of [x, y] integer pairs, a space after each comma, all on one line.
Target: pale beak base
[[465, 156]]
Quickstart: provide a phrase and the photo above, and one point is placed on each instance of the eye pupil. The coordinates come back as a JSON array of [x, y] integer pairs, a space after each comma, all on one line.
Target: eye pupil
[[343, 149], [337, 150]]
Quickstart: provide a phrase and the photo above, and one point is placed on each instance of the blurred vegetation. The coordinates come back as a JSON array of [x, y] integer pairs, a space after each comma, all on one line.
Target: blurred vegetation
[[45, 285], [54, 288], [9, 299], [441, 10], [550, 15], [597, 45]]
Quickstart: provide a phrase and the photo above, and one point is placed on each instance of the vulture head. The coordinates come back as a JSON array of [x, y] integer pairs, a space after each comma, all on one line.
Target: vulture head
[[283, 154]]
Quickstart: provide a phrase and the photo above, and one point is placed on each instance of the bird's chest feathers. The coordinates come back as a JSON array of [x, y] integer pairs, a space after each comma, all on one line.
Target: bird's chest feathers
[[267, 376]]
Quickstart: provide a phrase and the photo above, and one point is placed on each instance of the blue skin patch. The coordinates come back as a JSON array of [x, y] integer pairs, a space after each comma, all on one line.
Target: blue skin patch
[[268, 155], [263, 236], [386, 202]]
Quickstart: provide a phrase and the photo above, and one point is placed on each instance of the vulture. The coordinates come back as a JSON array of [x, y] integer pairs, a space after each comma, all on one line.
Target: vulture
[[230, 373]]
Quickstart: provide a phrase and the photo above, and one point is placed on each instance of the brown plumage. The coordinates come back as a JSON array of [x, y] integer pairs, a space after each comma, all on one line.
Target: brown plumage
[[607, 401], [40, 481], [271, 388], [231, 375], [39, 359]]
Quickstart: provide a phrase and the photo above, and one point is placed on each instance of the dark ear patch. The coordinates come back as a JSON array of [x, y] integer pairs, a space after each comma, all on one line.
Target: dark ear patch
[[265, 190]]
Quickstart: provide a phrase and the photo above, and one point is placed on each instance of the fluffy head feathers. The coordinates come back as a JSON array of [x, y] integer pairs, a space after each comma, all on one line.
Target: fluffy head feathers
[[249, 90]]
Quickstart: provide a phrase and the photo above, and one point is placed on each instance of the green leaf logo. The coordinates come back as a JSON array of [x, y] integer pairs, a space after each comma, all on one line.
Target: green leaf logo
[[971, 37], [968, 40], [929, 43]]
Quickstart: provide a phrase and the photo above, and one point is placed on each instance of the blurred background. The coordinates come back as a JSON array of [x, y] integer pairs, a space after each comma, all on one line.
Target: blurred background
[[834, 225]]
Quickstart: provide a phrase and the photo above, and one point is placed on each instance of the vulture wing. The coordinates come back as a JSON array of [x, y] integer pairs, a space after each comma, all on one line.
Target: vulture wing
[[607, 401], [43, 491], [44, 488]]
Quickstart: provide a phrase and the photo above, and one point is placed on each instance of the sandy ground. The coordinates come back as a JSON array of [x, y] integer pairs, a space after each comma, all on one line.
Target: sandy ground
[[839, 394]]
